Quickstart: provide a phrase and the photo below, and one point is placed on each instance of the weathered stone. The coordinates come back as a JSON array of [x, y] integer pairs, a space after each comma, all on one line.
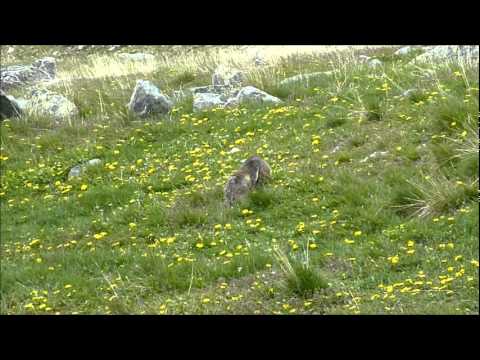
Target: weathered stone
[[404, 51], [17, 75], [214, 89], [231, 102], [46, 103], [47, 65], [204, 101], [374, 63], [78, 170], [250, 93], [9, 106], [147, 100], [231, 77]]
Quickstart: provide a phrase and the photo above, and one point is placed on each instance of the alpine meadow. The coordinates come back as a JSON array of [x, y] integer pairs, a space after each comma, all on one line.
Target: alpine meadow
[[114, 161]]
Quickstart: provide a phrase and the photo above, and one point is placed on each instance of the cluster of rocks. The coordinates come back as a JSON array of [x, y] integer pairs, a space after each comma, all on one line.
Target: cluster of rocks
[[225, 91], [227, 87], [17, 75], [441, 53], [40, 101], [450, 53]]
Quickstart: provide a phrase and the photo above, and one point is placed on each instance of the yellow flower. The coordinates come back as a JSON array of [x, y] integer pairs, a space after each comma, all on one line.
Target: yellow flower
[[357, 233], [83, 187], [347, 241], [218, 227], [199, 245], [394, 259], [100, 235], [205, 300], [474, 263], [132, 225], [312, 246], [410, 243]]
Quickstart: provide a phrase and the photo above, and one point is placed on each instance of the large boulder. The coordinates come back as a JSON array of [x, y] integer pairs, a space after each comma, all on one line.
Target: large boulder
[[46, 103], [147, 100], [17, 75], [450, 53], [204, 101], [9, 107], [252, 94]]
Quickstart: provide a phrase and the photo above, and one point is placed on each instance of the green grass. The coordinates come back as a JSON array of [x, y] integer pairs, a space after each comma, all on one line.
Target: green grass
[[397, 233]]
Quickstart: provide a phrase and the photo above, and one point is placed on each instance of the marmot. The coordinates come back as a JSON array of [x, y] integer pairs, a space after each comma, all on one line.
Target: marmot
[[254, 172]]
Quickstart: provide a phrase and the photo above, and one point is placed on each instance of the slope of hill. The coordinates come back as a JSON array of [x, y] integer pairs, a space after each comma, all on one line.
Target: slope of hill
[[373, 205]]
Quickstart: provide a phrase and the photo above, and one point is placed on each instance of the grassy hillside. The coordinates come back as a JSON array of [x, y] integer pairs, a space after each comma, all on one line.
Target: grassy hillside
[[336, 231]]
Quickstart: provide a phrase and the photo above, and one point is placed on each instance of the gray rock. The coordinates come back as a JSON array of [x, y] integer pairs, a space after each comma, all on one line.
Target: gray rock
[[214, 89], [77, 170], [304, 78], [9, 106], [17, 75], [147, 100], [46, 103], [136, 57], [404, 51], [250, 93], [374, 63], [231, 102], [204, 101], [231, 78], [237, 78], [47, 65], [218, 79], [450, 53]]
